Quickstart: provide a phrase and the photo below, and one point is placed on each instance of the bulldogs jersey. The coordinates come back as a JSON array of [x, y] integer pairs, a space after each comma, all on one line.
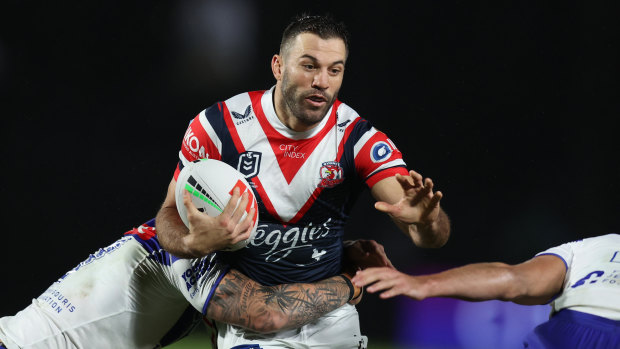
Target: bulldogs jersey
[[305, 182], [131, 294], [592, 282]]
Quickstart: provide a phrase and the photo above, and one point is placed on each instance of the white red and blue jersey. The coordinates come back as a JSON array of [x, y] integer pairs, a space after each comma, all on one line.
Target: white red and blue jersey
[[305, 183]]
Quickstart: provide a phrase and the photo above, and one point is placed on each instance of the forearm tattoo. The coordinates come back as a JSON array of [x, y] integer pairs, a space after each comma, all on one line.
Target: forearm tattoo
[[241, 301]]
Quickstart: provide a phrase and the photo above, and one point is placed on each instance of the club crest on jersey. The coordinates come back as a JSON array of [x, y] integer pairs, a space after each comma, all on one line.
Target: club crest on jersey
[[331, 174], [380, 152], [242, 118], [249, 163]]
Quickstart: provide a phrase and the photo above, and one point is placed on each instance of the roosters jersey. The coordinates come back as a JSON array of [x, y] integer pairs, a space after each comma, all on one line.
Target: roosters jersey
[[592, 282], [305, 183]]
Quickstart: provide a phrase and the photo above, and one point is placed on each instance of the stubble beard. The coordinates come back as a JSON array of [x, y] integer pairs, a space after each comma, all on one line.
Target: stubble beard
[[294, 100]]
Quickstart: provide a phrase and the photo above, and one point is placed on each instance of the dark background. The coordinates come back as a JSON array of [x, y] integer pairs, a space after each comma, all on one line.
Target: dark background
[[511, 108]]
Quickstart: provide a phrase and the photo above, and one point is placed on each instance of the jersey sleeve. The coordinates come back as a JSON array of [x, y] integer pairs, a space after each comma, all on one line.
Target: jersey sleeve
[[200, 140], [564, 252], [197, 279], [376, 156]]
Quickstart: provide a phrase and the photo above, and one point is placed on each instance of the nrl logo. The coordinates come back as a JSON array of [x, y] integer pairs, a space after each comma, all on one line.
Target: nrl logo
[[249, 163], [331, 174]]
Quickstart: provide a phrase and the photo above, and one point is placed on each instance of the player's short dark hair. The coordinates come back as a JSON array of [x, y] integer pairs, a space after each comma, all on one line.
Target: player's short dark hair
[[325, 26]]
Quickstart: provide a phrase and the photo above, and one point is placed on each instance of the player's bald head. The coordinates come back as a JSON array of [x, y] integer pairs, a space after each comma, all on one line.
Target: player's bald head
[[324, 27]]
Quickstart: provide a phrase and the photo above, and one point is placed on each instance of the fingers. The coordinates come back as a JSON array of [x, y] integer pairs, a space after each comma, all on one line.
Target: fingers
[[240, 208], [240, 226], [377, 251], [435, 199], [407, 183], [368, 276], [187, 202], [383, 206], [426, 188], [379, 279], [244, 229], [229, 209], [417, 178]]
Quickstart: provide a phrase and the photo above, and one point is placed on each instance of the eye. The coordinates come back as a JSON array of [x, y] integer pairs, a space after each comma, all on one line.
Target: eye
[[308, 66], [335, 71]]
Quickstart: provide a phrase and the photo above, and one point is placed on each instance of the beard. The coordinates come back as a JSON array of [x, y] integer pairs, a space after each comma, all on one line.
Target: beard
[[295, 101]]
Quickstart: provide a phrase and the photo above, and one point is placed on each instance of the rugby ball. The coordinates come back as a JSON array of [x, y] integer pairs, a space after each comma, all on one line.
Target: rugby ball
[[211, 184]]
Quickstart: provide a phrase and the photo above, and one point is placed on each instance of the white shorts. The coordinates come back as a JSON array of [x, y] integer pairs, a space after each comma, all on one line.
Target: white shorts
[[337, 329]]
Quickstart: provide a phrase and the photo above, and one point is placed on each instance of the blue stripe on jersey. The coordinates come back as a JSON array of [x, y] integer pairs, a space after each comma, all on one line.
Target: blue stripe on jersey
[[229, 152], [359, 129], [557, 255], [216, 284], [150, 223], [152, 246]]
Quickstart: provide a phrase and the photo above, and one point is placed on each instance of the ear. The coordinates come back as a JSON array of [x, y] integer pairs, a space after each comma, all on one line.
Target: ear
[[276, 66]]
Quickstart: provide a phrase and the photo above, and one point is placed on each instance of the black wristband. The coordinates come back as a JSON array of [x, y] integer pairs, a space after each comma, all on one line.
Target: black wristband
[[359, 295], [351, 288]]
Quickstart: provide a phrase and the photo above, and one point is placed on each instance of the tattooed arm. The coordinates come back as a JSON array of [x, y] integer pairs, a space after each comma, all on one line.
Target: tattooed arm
[[240, 301]]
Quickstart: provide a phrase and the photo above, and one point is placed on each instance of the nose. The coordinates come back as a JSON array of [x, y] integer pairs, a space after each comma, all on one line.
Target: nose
[[321, 80]]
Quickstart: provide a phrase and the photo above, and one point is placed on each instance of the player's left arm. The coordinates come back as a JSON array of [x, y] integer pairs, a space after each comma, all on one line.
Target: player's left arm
[[413, 205], [241, 301]]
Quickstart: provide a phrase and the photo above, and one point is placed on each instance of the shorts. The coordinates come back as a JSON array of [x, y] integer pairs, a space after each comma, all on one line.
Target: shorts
[[573, 329], [337, 329]]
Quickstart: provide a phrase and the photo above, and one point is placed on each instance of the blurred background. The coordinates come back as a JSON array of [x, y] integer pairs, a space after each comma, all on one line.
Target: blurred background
[[511, 108]]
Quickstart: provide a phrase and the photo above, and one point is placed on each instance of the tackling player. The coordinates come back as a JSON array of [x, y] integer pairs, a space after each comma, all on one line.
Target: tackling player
[[581, 279]]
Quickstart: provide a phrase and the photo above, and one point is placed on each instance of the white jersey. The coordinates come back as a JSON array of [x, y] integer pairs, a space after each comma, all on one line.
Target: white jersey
[[128, 295], [592, 282]]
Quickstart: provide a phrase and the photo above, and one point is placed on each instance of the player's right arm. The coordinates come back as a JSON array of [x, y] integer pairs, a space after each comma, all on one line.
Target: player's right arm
[[206, 234], [535, 281], [240, 301]]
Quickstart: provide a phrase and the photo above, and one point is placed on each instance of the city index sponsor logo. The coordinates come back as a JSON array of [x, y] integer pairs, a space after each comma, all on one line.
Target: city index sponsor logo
[[292, 151]]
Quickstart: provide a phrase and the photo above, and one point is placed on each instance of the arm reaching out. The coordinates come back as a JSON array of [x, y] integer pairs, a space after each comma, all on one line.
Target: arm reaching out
[[533, 282], [414, 207]]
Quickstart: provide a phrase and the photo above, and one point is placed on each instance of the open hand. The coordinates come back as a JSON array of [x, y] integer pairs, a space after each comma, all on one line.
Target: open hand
[[391, 281], [419, 205]]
